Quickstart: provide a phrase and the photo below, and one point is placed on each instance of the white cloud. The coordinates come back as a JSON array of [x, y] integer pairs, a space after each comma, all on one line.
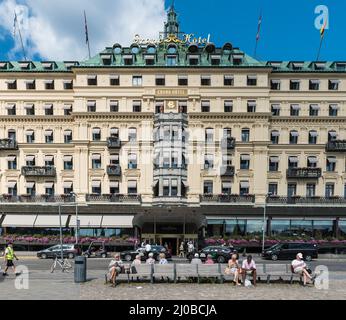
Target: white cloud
[[55, 29]]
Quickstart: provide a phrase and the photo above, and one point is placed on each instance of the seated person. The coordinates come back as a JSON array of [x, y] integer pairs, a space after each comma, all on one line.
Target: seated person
[[196, 259], [209, 259], [163, 259], [299, 266], [115, 268], [150, 260], [249, 268], [233, 269]]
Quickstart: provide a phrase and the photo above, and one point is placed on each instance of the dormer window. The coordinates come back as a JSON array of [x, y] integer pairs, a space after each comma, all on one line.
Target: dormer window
[[128, 60], [215, 60], [135, 49], [171, 60], [70, 64], [319, 66], [237, 59], [106, 59], [24, 65], [275, 65], [3, 65], [151, 49], [297, 66], [149, 59], [47, 65], [193, 59], [172, 49]]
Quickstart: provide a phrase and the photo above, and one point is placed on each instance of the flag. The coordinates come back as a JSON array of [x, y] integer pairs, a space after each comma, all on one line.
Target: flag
[[86, 29], [15, 25], [323, 29], [259, 27]]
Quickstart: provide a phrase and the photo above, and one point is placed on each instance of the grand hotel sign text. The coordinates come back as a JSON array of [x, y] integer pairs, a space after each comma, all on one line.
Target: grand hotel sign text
[[186, 39]]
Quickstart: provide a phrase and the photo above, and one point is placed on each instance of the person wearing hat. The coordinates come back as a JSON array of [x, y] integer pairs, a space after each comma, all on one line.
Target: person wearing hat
[[299, 267], [115, 268], [196, 259], [151, 259]]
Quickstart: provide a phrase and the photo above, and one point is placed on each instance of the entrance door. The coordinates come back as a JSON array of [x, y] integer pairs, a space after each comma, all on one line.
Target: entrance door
[[171, 243]]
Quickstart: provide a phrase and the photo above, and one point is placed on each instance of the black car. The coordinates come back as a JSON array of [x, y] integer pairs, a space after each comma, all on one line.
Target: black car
[[220, 254], [156, 250], [289, 251], [69, 251]]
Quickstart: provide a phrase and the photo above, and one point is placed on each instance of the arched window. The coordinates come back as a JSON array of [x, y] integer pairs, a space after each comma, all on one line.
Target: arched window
[[294, 137], [313, 137]]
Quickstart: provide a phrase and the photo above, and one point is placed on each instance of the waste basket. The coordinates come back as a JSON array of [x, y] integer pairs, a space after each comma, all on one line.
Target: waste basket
[[80, 269]]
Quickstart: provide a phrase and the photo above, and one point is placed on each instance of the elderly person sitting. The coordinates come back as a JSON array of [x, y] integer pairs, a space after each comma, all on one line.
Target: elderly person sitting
[[163, 259], [299, 266], [115, 268], [150, 260], [196, 259], [249, 268], [209, 259], [233, 269]]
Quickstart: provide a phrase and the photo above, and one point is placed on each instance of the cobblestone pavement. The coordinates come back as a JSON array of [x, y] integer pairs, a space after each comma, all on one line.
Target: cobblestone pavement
[[60, 286]]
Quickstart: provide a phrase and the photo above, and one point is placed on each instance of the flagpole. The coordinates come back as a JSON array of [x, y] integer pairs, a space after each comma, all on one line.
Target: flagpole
[[20, 34], [319, 49], [87, 34], [258, 33]]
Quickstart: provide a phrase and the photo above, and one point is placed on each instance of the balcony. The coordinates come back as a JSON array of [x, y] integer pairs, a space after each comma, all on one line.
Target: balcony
[[114, 170], [307, 200], [228, 143], [227, 198], [227, 171], [113, 143], [7, 198], [304, 173], [117, 198], [33, 171], [336, 146], [8, 144], [169, 117]]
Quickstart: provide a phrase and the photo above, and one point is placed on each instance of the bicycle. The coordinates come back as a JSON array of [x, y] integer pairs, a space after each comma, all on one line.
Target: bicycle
[[64, 264]]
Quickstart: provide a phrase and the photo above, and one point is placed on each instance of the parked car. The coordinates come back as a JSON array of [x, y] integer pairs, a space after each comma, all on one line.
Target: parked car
[[220, 254], [69, 251], [156, 250], [288, 251], [96, 249]]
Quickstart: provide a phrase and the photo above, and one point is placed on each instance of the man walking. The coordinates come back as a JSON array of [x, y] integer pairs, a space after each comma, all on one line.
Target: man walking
[[9, 257]]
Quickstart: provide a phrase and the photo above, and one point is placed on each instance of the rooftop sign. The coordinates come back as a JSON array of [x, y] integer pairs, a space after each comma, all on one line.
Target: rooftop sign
[[186, 39]]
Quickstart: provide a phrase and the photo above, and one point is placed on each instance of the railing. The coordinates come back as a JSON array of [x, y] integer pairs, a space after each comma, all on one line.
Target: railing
[[113, 143], [6, 198], [8, 144], [171, 116], [33, 171], [227, 198], [336, 146], [114, 170], [113, 198], [304, 173], [228, 143], [306, 200], [227, 171], [182, 167]]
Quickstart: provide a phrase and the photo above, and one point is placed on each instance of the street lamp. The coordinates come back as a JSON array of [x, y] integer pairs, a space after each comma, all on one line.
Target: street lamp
[[77, 221], [264, 219]]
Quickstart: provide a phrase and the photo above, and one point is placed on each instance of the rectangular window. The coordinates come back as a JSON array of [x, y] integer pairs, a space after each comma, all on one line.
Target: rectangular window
[[310, 190], [329, 192], [91, 106], [205, 80], [132, 187], [314, 84], [333, 110], [313, 111], [331, 164], [114, 106], [30, 85], [205, 106], [92, 80], [174, 187], [215, 60], [226, 187], [245, 135], [228, 80], [68, 163], [228, 106], [273, 163], [275, 84], [137, 106], [48, 110], [114, 187], [49, 137], [11, 109], [193, 60], [275, 108], [12, 188], [68, 187], [244, 162], [160, 80], [149, 60], [30, 109], [294, 110], [128, 60], [67, 109], [96, 161], [295, 85], [183, 80], [11, 84], [137, 81], [244, 188], [251, 106], [68, 85], [291, 190], [114, 80], [12, 163], [252, 80], [208, 162], [273, 189], [132, 161], [208, 187], [49, 84], [292, 162], [96, 187], [182, 106], [30, 136], [333, 84], [165, 187]]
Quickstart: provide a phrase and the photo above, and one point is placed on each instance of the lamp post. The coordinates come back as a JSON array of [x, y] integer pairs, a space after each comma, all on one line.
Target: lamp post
[[77, 221], [264, 219]]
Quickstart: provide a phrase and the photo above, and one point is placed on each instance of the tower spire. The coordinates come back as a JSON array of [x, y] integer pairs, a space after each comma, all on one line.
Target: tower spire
[[172, 24]]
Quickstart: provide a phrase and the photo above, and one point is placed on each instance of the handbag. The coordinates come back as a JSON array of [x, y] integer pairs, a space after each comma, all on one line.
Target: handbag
[[227, 270]]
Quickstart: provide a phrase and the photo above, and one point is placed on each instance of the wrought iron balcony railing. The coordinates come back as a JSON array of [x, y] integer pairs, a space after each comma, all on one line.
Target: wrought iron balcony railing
[[114, 170], [306, 200], [228, 143], [304, 173], [113, 198], [336, 146], [34, 171], [113, 143], [227, 171], [227, 198], [8, 144], [7, 198]]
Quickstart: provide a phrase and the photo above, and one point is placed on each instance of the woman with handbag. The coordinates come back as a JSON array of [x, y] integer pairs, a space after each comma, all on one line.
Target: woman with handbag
[[233, 268]]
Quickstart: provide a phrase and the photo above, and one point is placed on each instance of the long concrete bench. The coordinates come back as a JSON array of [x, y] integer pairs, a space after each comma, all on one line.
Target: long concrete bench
[[143, 272], [164, 271], [186, 271], [209, 271]]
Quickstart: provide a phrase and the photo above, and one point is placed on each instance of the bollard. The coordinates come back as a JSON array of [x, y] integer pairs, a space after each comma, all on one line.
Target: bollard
[[80, 269]]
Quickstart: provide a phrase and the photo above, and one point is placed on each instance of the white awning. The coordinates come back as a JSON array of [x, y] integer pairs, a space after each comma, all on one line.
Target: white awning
[[67, 81], [92, 77], [48, 158], [335, 81], [251, 103], [149, 57], [274, 81], [313, 133], [29, 132], [29, 184], [275, 133], [48, 106], [252, 77], [312, 159], [123, 221], [96, 184], [205, 103], [331, 160], [96, 157], [294, 133], [49, 184], [29, 81], [68, 158], [50, 221], [49, 81], [14, 220], [114, 184], [228, 103], [28, 106], [11, 184], [334, 107], [132, 184], [229, 77], [67, 184], [67, 106], [276, 106], [295, 106], [137, 103], [226, 185], [114, 157], [86, 221], [315, 107], [48, 133], [11, 81], [29, 158], [274, 159], [67, 132], [114, 131], [91, 103], [96, 131], [215, 57], [114, 77], [106, 56], [10, 106], [128, 56], [11, 158], [245, 157], [114, 103], [244, 184], [47, 64], [332, 133], [293, 159], [315, 81], [160, 76]]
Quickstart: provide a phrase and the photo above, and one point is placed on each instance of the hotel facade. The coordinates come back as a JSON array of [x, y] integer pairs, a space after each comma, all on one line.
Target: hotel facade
[[173, 139]]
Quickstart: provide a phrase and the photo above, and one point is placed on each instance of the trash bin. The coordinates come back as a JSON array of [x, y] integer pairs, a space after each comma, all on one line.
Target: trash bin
[[80, 269]]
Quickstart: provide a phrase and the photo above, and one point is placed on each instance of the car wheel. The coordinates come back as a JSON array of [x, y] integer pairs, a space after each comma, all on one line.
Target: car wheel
[[220, 259], [128, 258], [308, 258], [70, 255], [274, 257], [104, 255], [43, 256]]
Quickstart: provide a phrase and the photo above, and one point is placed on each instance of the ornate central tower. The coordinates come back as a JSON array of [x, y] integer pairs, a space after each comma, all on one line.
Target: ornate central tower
[[172, 24]]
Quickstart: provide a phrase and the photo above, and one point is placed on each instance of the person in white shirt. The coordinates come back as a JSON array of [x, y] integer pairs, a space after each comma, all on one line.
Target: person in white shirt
[[147, 247], [249, 268], [196, 259], [299, 266], [190, 247], [115, 268], [150, 260], [163, 259]]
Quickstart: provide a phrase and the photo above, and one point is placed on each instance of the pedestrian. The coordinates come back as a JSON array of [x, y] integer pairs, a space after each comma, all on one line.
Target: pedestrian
[[9, 257], [147, 248], [182, 250], [190, 247], [249, 268], [299, 266]]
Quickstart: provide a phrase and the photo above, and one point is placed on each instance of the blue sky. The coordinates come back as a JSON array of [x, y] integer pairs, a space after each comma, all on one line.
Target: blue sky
[[288, 31]]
